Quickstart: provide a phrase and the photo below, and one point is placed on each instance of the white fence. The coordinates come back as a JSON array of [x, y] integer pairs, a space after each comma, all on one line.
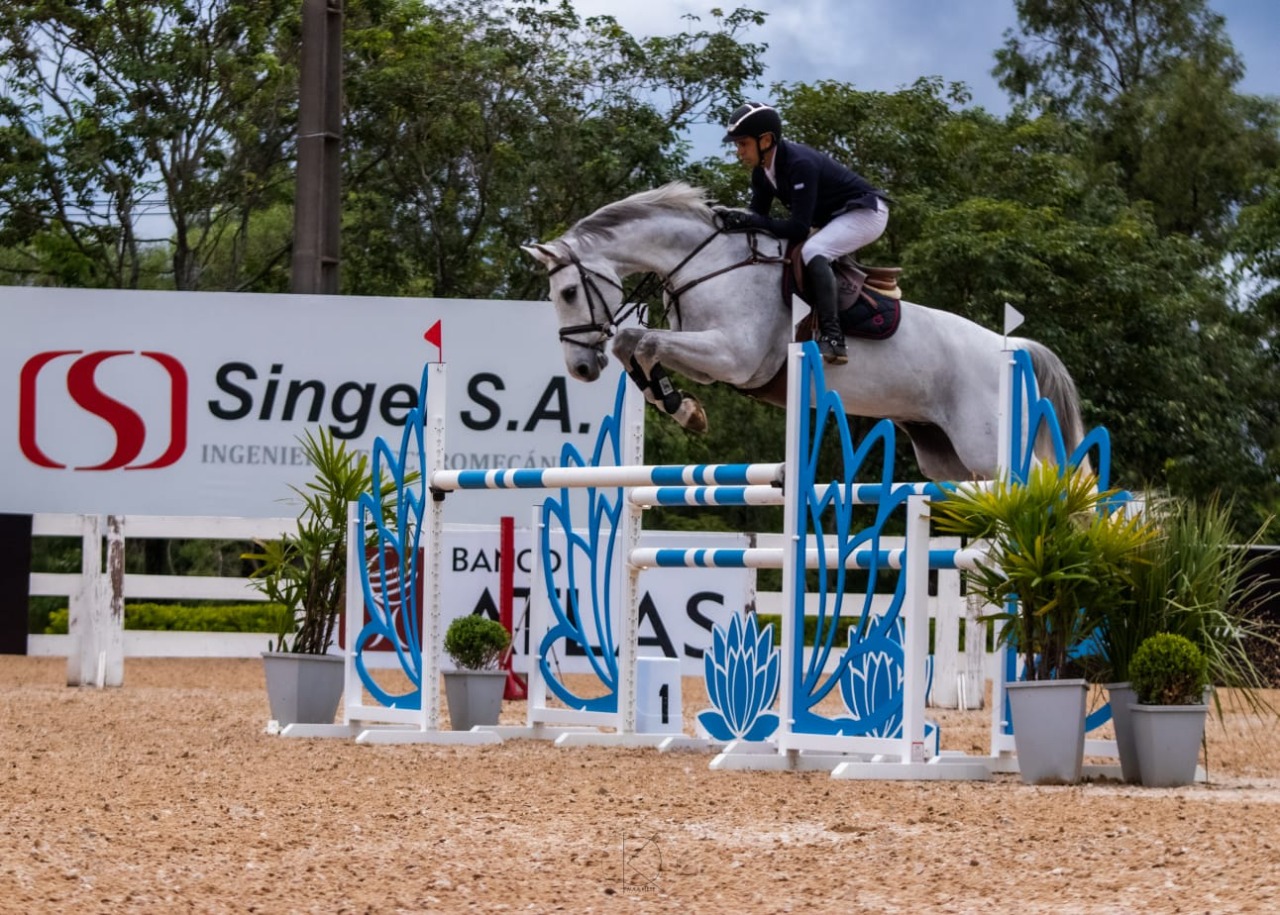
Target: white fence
[[96, 600], [97, 596]]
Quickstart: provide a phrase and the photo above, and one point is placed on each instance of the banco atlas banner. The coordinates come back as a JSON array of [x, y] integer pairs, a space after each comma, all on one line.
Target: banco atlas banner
[[186, 403], [678, 608]]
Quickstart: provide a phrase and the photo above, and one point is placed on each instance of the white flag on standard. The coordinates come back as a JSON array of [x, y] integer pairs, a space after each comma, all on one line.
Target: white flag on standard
[[1012, 319]]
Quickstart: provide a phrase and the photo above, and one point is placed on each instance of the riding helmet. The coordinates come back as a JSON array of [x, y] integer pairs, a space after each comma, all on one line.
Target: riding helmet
[[754, 119]]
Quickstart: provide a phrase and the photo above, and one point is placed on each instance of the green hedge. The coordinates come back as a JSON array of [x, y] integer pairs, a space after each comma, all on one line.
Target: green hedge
[[259, 617]]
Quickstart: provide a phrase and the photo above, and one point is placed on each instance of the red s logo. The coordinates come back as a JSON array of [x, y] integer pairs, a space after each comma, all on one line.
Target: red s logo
[[130, 430]]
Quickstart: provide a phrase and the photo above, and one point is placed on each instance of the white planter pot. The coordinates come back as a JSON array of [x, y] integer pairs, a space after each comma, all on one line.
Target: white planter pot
[[1167, 738], [1048, 729], [475, 697], [303, 688]]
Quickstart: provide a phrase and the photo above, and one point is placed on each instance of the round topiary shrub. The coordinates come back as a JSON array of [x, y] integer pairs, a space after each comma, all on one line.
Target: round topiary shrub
[[475, 642], [1169, 669]]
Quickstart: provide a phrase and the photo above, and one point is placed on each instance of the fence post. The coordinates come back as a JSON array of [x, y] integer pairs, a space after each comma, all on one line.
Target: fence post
[[973, 677], [82, 658], [110, 670], [945, 692]]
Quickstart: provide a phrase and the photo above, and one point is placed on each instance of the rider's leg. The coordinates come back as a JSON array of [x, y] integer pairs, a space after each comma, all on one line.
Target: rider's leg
[[845, 234], [820, 289]]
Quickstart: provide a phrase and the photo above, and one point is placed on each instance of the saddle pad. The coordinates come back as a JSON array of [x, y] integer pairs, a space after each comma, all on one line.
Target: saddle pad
[[872, 315]]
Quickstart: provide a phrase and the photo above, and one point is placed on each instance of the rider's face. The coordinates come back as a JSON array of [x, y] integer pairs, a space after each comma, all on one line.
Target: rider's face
[[751, 150]]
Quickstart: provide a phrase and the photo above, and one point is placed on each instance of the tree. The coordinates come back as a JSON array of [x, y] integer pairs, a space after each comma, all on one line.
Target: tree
[[180, 110], [1077, 56], [1256, 247], [1154, 81], [989, 210], [472, 130]]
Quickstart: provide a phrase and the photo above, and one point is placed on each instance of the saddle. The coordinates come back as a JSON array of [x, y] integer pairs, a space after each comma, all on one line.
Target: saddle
[[867, 297]]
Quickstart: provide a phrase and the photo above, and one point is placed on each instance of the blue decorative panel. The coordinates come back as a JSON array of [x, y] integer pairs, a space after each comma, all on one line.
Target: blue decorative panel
[[582, 601], [742, 681]]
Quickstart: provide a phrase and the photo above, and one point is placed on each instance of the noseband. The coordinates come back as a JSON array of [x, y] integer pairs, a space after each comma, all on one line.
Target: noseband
[[602, 328]]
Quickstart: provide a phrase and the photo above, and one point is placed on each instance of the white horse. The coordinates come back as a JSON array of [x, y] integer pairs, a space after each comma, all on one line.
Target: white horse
[[937, 377]]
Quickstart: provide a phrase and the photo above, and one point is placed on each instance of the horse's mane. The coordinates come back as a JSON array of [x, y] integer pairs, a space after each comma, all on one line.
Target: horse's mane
[[677, 197]]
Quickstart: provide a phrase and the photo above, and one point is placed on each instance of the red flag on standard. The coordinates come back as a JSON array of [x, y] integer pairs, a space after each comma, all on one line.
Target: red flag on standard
[[435, 337]]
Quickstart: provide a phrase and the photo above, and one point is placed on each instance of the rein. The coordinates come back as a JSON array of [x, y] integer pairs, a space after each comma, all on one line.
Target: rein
[[604, 329]]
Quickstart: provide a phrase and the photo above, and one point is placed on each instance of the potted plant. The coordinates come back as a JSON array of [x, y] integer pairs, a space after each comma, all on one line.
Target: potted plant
[[474, 690], [1169, 675], [1053, 547], [1193, 578], [305, 573]]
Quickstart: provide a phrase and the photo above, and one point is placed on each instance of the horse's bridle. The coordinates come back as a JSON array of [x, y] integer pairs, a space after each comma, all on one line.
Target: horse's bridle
[[604, 329]]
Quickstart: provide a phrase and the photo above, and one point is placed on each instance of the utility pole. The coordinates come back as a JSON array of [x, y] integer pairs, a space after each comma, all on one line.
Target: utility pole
[[318, 205]]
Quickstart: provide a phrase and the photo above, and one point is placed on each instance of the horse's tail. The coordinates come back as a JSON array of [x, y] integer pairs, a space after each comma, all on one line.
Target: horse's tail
[[1059, 388]]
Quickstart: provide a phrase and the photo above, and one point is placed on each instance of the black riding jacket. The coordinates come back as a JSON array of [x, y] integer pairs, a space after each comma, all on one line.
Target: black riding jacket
[[813, 187]]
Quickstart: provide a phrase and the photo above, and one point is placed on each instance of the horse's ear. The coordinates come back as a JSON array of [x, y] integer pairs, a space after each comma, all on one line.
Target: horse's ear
[[542, 254]]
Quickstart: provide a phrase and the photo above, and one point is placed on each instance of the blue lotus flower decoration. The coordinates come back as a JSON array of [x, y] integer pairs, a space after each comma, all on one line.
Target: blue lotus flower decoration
[[874, 679], [832, 508], [582, 601], [1041, 420], [741, 672], [391, 586]]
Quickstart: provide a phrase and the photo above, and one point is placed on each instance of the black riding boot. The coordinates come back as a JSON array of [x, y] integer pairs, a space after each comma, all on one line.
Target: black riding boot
[[820, 290]]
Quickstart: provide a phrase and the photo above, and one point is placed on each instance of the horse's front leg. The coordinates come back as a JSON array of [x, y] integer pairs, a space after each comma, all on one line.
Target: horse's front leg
[[655, 383]]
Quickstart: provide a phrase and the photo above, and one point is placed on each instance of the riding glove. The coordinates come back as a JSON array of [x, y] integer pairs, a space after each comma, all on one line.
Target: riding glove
[[737, 220]]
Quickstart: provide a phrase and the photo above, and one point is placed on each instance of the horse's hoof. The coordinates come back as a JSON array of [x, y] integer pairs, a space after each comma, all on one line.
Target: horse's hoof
[[691, 416]]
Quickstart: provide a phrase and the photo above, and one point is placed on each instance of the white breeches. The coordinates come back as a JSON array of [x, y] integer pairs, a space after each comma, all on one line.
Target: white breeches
[[847, 233]]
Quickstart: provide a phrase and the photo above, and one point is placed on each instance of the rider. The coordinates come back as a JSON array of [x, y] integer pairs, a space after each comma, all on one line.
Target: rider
[[847, 211]]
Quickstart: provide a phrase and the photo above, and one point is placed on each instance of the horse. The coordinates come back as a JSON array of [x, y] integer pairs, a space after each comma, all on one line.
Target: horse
[[937, 377]]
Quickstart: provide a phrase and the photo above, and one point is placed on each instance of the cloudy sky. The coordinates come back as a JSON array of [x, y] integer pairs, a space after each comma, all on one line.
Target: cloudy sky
[[886, 44]]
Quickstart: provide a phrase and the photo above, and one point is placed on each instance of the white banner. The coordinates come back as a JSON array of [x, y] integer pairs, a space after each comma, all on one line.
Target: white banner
[[164, 403]]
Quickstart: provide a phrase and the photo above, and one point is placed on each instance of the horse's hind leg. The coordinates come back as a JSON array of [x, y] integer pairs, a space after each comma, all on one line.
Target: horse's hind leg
[[657, 387]]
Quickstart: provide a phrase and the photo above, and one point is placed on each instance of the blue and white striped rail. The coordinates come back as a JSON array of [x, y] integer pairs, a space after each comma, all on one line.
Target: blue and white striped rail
[[771, 558], [678, 475], [860, 494]]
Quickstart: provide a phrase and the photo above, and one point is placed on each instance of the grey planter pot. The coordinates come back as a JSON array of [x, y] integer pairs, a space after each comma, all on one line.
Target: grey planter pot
[[475, 697], [1048, 729], [303, 688], [1120, 696], [1167, 738]]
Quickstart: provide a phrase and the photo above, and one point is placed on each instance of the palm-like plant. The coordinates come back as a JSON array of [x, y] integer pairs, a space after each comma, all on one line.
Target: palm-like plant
[[306, 572], [1197, 581], [1054, 545]]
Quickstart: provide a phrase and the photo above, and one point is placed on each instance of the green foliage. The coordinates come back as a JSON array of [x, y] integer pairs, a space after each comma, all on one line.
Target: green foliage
[[1107, 206], [1169, 669], [1053, 547], [1155, 83], [258, 617], [305, 573], [113, 111], [1196, 581], [475, 642], [473, 128]]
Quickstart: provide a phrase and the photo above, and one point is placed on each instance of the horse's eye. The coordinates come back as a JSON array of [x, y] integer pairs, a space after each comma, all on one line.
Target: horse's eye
[[569, 293]]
